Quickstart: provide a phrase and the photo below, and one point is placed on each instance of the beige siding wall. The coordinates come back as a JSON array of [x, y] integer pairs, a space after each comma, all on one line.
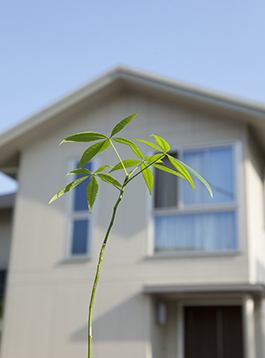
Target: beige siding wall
[[165, 337], [255, 210], [48, 296]]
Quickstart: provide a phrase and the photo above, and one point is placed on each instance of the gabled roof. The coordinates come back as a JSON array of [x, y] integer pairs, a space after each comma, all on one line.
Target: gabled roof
[[112, 83]]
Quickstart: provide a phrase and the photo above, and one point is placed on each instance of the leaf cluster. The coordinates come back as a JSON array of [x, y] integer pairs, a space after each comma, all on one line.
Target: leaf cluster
[[137, 166]]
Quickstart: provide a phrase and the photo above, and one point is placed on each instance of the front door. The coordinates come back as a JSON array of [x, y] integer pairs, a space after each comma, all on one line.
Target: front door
[[213, 332]]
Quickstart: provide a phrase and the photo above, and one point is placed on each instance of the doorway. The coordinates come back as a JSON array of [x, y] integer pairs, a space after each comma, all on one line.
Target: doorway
[[213, 332]]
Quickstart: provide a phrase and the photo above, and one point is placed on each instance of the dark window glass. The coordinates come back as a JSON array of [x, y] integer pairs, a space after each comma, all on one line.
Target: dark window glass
[[80, 232], [2, 282], [80, 202], [2, 289], [166, 189]]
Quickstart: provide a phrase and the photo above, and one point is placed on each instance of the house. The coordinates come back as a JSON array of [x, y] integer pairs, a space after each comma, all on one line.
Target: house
[[183, 274], [6, 209]]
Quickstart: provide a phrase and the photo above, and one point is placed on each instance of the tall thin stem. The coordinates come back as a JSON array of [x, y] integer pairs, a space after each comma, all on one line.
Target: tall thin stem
[[113, 146], [99, 266], [149, 165]]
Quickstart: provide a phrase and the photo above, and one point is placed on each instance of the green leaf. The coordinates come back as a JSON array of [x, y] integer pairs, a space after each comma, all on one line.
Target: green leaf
[[84, 137], [133, 146], [157, 158], [127, 163], [148, 177], [90, 153], [103, 168], [68, 187], [109, 179], [161, 142], [80, 171], [91, 192], [180, 168], [166, 169], [105, 145], [122, 124], [150, 144], [197, 176]]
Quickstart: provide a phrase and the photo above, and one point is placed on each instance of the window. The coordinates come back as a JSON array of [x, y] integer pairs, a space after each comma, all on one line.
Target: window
[[79, 219], [2, 289], [192, 221]]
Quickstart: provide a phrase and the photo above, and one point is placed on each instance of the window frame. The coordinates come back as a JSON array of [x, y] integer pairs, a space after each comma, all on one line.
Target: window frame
[[72, 215], [236, 205]]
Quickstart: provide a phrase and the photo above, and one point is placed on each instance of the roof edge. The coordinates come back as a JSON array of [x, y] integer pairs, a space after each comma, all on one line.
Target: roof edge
[[141, 78], [57, 107], [191, 91]]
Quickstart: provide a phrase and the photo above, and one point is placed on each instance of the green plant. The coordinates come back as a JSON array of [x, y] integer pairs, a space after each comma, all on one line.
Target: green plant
[[137, 166]]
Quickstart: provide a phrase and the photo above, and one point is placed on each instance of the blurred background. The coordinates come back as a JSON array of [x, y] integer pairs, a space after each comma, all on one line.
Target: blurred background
[[51, 48]]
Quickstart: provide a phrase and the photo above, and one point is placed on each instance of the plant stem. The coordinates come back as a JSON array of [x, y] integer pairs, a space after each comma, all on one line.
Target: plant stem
[[113, 146], [149, 165], [99, 265]]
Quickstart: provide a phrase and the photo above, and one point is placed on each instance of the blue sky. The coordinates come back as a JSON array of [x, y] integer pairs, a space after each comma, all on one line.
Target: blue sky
[[50, 48]]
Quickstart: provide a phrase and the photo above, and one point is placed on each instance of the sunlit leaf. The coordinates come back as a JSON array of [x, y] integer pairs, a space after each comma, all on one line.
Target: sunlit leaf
[[161, 142], [68, 187], [79, 171], [148, 177], [197, 176], [90, 153], [180, 168], [109, 179], [91, 192], [122, 124], [149, 160], [166, 169], [133, 146], [150, 144], [105, 145], [156, 158], [101, 169], [84, 137], [127, 163]]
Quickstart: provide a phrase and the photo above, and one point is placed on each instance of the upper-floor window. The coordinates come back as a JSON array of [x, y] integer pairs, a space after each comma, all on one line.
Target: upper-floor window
[[79, 220], [192, 221], [2, 289]]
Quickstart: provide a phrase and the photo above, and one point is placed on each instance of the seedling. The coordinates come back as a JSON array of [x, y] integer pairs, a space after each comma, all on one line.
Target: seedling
[[131, 168]]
